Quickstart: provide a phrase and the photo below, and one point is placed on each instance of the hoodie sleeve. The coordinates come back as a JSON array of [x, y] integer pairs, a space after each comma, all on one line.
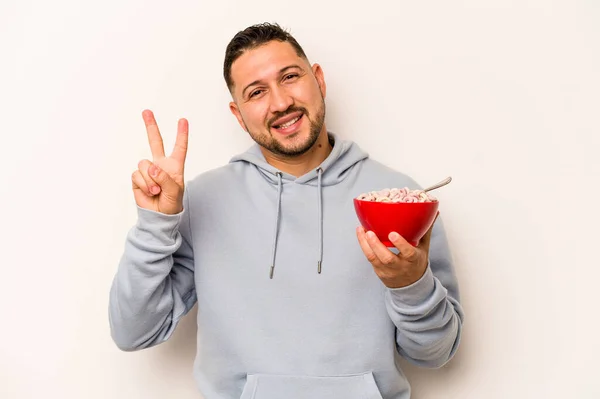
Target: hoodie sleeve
[[154, 283], [427, 314]]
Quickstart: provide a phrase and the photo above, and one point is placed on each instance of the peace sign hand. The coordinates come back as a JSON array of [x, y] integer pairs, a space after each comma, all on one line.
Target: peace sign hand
[[159, 185]]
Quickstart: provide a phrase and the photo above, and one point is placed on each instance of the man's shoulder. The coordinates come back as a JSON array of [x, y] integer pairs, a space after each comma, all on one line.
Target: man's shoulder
[[216, 178]]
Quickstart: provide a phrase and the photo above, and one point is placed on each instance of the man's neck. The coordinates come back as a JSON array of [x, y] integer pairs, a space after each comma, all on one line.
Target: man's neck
[[300, 165]]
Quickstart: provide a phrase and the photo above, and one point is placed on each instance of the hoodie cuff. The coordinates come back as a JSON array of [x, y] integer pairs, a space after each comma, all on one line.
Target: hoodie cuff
[[417, 292], [157, 227]]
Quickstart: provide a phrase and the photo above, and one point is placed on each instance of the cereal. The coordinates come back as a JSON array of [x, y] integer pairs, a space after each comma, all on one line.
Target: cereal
[[397, 195]]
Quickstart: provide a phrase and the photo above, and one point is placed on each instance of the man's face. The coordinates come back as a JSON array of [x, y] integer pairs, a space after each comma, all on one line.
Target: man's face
[[278, 98]]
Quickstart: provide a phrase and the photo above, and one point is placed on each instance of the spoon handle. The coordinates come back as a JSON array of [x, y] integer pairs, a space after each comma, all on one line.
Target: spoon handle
[[440, 184]]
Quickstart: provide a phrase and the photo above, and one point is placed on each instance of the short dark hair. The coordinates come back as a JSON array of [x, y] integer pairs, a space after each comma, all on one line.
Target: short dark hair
[[253, 37]]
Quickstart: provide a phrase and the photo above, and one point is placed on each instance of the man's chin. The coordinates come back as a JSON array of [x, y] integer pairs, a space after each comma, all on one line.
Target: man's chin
[[291, 145]]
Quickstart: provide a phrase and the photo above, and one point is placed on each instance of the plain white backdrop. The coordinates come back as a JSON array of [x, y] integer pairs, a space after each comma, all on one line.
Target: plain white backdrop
[[501, 95]]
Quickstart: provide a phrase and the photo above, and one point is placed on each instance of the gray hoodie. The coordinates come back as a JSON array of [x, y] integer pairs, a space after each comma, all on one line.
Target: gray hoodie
[[288, 305]]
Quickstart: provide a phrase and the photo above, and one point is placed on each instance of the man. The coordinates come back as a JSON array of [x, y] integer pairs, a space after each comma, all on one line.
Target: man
[[294, 300]]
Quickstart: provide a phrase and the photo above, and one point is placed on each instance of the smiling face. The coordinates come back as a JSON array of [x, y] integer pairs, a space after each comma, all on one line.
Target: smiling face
[[279, 98]]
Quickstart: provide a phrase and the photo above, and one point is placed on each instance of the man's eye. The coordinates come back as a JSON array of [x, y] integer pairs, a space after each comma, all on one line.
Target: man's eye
[[255, 93], [291, 75]]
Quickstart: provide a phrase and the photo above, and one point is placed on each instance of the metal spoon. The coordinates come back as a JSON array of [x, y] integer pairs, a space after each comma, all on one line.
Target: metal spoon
[[440, 184]]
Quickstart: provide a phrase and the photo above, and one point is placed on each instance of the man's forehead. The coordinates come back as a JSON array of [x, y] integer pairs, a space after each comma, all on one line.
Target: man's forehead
[[263, 61]]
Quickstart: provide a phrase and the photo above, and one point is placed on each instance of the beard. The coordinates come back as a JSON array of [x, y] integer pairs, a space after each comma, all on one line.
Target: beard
[[296, 147]]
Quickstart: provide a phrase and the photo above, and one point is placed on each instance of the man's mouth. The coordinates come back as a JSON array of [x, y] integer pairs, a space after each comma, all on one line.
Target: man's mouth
[[288, 124], [287, 121]]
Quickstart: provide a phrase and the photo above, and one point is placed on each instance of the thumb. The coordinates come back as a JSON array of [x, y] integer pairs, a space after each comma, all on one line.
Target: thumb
[[427, 237], [166, 183], [406, 249]]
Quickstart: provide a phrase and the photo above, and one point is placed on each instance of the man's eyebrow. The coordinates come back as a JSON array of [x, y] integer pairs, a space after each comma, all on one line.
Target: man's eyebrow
[[282, 70]]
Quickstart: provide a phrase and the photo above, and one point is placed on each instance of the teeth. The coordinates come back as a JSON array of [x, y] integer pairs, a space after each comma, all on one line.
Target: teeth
[[290, 123]]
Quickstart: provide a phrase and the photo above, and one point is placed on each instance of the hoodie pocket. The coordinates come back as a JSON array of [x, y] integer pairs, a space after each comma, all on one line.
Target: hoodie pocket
[[272, 386]]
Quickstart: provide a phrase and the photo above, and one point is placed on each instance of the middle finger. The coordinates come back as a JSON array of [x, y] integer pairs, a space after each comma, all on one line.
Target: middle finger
[[382, 252]]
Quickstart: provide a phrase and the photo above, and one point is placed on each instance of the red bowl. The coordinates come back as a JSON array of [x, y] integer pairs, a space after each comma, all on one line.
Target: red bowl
[[409, 219]]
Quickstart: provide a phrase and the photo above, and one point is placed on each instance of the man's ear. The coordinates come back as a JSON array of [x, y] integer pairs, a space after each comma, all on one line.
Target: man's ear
[[318, 72], [233, 107]]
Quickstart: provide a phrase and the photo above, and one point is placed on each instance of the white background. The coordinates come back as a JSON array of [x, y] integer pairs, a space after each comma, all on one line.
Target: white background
[[501, 95]]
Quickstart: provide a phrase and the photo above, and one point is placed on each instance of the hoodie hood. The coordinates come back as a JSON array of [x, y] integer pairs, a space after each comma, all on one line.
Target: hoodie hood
[[344, 155], [334, 169]]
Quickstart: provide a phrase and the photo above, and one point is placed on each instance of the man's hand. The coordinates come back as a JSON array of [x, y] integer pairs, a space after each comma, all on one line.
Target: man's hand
[[396, 271], [159, 185]]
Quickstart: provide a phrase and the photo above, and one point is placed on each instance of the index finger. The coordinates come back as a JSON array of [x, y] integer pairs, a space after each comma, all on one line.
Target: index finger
[[181, 141], [366, 248], [154, 137]]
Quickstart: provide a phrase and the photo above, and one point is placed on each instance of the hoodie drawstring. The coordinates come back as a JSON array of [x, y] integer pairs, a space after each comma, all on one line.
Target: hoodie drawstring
[[279, 175], [320, 197], [278, 216]]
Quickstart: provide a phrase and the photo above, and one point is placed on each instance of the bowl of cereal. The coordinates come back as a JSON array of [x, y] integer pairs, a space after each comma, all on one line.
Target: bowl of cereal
[[409, 213]]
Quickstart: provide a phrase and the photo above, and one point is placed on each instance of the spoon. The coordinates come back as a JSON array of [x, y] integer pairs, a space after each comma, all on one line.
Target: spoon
[[440, 184]]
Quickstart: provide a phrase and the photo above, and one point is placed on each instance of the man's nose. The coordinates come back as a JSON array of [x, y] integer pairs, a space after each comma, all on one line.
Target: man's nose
[[281, 100]]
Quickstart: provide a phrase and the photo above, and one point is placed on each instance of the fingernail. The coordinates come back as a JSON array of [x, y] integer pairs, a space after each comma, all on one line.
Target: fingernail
[[153, 171], [370, 234], [394, 236], [155, 189]]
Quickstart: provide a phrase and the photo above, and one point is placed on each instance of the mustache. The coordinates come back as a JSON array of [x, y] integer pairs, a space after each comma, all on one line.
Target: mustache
[[288, 111]]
